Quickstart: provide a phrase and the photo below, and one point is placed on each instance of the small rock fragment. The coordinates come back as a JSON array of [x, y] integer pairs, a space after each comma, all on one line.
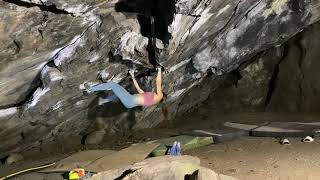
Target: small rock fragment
[[13, 158], [95, 137]]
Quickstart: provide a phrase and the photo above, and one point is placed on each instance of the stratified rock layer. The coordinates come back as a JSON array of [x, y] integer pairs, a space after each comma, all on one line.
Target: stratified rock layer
[[49, 49]]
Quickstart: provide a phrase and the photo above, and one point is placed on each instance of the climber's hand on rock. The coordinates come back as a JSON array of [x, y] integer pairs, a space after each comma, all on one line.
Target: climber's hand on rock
[[131, 72], [159, 69]]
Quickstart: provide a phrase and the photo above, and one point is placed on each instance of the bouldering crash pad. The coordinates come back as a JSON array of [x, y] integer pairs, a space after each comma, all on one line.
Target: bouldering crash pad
[[122, 158], [280, 129], [80, 159], [103, 160], [187, 142], [219, 136]]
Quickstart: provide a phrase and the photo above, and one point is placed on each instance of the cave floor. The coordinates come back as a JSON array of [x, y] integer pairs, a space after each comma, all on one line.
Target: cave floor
[[249, 158]]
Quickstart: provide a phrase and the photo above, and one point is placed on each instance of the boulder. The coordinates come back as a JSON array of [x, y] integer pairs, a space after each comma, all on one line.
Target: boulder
[[95, 137], [13, 158], [164, 168], [49, 48]]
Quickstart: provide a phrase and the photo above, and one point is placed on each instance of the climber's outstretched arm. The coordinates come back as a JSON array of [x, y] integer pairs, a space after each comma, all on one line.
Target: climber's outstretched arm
[[159, 83], [136, 85]]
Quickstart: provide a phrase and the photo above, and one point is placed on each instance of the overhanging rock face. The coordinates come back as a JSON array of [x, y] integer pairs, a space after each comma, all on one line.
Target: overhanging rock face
[[49, 49]]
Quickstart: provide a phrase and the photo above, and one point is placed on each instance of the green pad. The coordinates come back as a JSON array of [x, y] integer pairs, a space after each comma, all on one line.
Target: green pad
[[187, 142]]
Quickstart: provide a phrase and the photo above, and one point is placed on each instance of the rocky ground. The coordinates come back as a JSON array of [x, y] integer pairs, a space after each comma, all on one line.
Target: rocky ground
[[241, 61], [248, 158], [262, 158]]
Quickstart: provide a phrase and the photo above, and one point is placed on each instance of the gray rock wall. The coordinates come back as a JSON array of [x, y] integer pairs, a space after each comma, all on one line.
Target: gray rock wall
[[297, 84], [49, 49], [281, 79]]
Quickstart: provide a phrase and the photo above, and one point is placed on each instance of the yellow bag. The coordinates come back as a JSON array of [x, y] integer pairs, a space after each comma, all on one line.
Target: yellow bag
[[76, 174]]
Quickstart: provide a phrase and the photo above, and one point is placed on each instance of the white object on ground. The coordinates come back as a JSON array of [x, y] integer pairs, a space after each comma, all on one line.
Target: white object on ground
[[308, 139], [284, 142]]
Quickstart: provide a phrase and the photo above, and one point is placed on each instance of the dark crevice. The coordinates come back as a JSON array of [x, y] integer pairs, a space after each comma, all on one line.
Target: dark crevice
[[274, 77], [249, 10], [22, 135], [162, 11], [193, 176], [303, 52], [125, 173], [233, 14], [48, 8], [237, 76], [154, 17], [142, 70], [41, 33], [192, 15], [3, 160], [18, 46]]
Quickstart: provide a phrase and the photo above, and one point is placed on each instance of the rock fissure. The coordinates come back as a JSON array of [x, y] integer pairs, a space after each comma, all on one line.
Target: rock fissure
[[37, 82], [59, 57], [274, 77], [47, 8], [192, 15], [126, 173], [233, 14]]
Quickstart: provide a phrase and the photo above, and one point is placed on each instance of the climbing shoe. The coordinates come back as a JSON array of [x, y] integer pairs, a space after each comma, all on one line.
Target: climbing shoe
[[87, 88]]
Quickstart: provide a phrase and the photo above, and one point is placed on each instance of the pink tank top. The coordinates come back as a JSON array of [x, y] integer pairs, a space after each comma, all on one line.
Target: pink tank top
[[148, 98]]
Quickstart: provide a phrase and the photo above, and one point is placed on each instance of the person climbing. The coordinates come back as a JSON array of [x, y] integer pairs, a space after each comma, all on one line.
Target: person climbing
[[127, 99]]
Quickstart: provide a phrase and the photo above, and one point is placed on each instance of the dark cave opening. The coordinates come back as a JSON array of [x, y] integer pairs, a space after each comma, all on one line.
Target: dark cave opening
[[154, 17], [162, 11]]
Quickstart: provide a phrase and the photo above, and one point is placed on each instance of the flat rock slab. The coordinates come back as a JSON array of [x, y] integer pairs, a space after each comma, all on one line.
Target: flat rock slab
[[280, 129], [122, 158], [287, 129], [104, 160], [219, 136], [187, 142], [246, 127], [80, 159]]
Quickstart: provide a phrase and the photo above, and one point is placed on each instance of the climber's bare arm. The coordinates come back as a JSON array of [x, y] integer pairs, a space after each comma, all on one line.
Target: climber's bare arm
[[159, 84], [136, 85]]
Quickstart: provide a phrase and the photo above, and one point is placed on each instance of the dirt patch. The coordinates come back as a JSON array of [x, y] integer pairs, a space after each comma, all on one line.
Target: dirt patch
[[262, 158]]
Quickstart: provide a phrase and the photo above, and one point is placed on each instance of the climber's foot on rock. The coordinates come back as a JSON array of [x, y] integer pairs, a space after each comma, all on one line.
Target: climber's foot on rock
[[87, 88]]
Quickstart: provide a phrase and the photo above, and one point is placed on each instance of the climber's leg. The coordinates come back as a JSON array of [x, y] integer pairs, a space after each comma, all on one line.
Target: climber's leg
[[125, 97]]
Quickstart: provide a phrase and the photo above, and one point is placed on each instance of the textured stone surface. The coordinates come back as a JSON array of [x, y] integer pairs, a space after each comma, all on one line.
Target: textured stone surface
[[49, 49], [297, 84], [282, 79], [164, 168], [13, 158], [95, 137], [247, 88]]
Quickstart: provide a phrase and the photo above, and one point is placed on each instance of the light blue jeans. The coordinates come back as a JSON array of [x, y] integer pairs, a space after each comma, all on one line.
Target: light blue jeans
[[127, 99]]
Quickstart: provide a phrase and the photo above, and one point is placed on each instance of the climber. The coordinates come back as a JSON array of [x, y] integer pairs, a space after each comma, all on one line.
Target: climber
[[127, 99]]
